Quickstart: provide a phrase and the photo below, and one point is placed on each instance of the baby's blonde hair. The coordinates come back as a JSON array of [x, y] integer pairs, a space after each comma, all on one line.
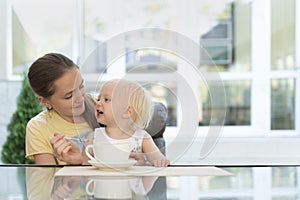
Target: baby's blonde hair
[[137, 98]]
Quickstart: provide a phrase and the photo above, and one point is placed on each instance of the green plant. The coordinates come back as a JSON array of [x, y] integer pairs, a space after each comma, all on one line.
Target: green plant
[[27, 106]]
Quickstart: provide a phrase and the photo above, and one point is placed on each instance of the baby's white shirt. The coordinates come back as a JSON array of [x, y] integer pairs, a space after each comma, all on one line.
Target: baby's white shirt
[[136, 139]]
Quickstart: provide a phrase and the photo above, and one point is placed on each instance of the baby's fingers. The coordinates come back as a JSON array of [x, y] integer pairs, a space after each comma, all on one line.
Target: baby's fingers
[[161, 163]]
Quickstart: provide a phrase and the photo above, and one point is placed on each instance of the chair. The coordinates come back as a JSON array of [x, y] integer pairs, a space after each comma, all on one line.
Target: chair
[[157, 125], [156, 129]]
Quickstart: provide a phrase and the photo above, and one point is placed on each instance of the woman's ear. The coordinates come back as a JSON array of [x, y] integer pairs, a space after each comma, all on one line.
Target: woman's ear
[[44, 101]]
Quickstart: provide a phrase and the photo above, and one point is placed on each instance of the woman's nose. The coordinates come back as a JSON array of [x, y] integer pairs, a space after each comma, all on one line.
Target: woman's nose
[[78, 96]]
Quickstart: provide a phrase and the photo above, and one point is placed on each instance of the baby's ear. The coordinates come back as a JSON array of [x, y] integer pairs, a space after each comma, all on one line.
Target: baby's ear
[[129, 113]]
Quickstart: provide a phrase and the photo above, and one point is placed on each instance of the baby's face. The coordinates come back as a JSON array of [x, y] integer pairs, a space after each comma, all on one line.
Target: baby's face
[[110, 104]]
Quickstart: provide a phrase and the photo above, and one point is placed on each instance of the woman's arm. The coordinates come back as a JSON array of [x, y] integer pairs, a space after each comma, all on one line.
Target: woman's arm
[[44, 159], [64, 150]]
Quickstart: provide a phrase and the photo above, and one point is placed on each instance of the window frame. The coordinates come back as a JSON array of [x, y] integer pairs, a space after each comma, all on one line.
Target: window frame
[[260, 127]]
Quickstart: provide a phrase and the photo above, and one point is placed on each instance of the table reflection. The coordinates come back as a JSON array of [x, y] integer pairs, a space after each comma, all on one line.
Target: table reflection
[[247, 183], [43, 184], [39, 182]]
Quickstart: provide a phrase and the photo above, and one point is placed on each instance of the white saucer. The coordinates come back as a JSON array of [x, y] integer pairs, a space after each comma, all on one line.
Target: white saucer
[[113, 178], [112, 166]]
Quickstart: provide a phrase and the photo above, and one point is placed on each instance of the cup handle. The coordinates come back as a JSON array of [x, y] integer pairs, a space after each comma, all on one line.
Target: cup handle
[[87, 151], [87, 188]]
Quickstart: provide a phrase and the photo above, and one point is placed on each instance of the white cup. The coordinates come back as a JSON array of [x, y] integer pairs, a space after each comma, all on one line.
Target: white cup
[[109, 188], [109, 152]]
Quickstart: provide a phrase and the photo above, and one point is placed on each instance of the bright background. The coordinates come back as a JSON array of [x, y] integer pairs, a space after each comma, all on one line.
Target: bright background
[[254, 45]]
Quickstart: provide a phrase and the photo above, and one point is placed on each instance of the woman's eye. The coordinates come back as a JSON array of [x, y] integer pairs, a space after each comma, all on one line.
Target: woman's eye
[[69, 96], [106, 100]]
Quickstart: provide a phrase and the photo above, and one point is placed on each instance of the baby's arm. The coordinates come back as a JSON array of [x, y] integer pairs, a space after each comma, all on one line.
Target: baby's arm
[[153, 153]]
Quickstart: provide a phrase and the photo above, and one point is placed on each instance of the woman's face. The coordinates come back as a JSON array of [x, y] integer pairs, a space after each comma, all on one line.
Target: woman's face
[[68, 99]]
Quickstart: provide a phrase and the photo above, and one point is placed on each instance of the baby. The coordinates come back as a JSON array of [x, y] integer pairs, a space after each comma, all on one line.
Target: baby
[[124, 107]]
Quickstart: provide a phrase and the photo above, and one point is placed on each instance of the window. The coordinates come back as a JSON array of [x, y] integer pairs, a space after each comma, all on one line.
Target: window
[[223, 35], [283, 65], [34, 33], [252, 46]]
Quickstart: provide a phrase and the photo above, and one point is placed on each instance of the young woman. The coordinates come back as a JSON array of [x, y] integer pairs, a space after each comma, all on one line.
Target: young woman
[[56, 135]]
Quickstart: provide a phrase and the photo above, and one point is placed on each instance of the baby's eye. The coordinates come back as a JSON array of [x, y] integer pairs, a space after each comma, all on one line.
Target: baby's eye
[[107, 100]]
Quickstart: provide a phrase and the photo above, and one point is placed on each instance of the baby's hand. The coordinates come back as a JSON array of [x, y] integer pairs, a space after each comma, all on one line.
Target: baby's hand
[[161, 163], [140, 158]]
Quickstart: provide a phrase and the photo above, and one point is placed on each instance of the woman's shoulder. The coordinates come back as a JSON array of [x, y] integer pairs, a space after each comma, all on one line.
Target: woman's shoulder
[[43, 118], [37, 123], [40, 117]]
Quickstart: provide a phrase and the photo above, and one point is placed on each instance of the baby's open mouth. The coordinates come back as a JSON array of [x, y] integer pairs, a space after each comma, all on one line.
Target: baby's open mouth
[[100, 112]]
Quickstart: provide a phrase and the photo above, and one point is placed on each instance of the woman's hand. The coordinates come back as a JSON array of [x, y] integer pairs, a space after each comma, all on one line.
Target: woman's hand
[[65, 187], [66, 150]]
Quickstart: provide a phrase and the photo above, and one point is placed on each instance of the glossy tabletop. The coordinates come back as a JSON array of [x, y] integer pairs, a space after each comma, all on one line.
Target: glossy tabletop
[[177, 182]]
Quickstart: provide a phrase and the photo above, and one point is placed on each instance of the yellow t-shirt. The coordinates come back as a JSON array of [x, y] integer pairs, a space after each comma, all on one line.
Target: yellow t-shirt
[[42, 127], [34, 177], [52, 186]]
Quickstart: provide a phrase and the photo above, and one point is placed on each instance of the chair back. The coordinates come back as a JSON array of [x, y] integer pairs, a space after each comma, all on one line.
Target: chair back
[[157, 125]]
